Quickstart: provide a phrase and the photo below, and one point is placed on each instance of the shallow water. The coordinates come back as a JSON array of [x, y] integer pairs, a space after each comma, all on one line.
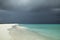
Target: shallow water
[[49, 30]]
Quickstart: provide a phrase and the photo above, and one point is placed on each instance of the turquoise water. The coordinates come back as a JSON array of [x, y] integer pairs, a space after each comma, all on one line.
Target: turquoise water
[[50, 30]]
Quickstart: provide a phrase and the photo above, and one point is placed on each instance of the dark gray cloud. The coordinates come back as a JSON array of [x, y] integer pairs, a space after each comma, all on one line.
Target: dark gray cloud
[[29, 11], [28, 4]]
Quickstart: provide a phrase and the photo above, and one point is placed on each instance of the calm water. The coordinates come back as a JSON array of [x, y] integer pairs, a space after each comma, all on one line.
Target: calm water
[[51, 30]]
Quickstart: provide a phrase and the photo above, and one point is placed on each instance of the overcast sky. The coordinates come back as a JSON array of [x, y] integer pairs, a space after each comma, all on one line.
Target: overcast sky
[[29, 11]]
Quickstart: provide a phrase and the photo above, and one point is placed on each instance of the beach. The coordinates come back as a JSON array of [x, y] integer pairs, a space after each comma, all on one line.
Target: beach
[[20, 33], [4, 33]]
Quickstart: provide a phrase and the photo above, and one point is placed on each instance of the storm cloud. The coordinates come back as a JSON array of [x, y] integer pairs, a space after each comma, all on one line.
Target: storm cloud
[[29, 11], [28, 4]]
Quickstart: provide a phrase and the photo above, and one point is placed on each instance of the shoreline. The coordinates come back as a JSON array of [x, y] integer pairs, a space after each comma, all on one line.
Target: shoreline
[[4, 33]]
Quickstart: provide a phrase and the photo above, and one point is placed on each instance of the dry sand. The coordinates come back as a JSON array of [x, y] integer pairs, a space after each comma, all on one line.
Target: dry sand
[[4, 33], [18, 34]]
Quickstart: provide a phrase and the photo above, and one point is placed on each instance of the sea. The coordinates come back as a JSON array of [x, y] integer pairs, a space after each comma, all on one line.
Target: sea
[[49, 30]]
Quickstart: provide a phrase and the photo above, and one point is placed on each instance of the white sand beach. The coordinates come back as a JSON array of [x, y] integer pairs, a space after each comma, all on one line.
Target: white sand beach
[[19, 33], [4, 33]]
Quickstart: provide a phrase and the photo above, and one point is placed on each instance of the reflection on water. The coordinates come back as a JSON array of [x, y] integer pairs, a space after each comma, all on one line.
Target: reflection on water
[[30, 32]]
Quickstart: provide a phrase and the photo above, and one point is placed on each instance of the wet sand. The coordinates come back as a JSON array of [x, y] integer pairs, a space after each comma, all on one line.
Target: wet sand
[[19, 33]]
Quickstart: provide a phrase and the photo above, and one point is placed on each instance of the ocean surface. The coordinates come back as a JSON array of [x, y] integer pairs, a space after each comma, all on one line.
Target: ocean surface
[[49, 30]]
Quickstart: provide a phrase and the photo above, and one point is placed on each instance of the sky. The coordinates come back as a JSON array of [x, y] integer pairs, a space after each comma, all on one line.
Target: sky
[[30, 11]]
